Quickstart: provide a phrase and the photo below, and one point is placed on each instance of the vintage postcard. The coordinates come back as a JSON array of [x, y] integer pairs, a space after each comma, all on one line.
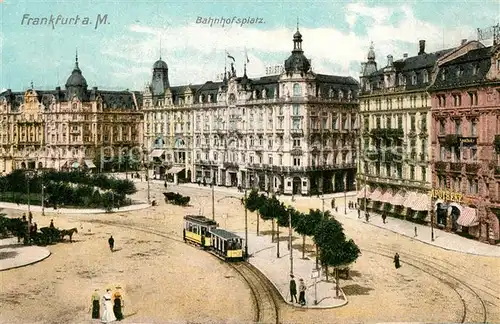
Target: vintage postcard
[[249, 161]]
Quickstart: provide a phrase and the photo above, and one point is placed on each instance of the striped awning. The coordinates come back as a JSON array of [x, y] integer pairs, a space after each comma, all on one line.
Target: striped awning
[[89, 164], [387, 196], [363, 191], [375, 196], [409, 201], [421, 203], [399, 198], [468, 217], [175, 170], [157, 153]]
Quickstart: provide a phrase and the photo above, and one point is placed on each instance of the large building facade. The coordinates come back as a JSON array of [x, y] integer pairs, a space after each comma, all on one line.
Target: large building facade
[[394, 173], [73, 128], [292, 133], [466, 141]]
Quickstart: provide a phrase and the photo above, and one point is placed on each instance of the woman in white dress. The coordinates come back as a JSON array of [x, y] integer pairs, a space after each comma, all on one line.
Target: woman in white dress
[[108, 315]]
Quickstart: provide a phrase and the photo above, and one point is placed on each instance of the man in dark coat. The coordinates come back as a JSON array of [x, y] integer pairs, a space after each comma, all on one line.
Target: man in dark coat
[[111, 242], [293, 290], [396, 261]]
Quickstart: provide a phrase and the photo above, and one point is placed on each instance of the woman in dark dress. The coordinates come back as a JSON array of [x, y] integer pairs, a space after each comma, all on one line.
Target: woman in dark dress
[[96, 308], [117, 305]]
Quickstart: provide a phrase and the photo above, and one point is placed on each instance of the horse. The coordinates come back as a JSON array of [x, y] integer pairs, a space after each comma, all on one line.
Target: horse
[[69, 233]]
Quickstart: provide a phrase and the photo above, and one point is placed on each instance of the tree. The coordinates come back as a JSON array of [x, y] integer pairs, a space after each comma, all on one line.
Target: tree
[[267, 211], [302, 229], [335, 250], [342, 255], [253, 203], [314, 218]]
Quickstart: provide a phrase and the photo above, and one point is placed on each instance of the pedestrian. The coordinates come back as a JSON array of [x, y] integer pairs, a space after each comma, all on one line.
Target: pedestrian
[[111, 242], [396, 261], [107, 305], [95, 305], [359, 213], [30, 217], [367, 216], [165, 184], [384, 216], [118, 304], [333, 203], [302, 289], [416, 231], [51, 223], [293, 289]]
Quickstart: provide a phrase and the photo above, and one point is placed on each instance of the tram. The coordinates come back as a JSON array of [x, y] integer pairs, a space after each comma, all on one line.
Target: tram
[[196, 230], [226, 245]]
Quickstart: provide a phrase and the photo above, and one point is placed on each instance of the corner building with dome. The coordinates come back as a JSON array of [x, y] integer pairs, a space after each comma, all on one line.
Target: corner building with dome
[[68, 129], [292, 133]]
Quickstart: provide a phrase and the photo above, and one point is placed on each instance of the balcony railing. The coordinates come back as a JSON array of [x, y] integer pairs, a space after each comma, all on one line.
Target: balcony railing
[[472, 167], [297, 132], [456, 166]]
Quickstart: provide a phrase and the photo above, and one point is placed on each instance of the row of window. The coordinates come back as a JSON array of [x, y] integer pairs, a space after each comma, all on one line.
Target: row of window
[[458, 127], [456, 184], [396, 172], [457, 99]]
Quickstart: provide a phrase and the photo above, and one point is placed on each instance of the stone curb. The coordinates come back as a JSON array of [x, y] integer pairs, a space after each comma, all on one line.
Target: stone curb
[[420, 240], [292, 304], [28, 263], [38, 209]]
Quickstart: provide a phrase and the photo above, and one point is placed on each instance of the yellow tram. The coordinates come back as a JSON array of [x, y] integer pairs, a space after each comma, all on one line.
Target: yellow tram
[[226, 245], [196, 230]]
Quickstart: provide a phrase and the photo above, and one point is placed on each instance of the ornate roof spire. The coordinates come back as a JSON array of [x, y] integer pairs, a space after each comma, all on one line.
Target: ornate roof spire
[[76, 61], [371, 53]]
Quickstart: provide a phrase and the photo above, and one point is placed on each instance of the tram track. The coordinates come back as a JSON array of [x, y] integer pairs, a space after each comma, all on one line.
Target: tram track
[[473, 306], [263, 292]]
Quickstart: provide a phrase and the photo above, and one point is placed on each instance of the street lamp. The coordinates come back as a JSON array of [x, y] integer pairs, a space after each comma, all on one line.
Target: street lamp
[[345, 194], [29, 175], [213, 202], [146, 171], [43, 199], [246, 218]]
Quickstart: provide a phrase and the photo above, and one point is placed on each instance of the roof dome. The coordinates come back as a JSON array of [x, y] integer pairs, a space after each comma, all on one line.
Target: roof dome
[[297, 34], [297, 62], [371, 53], [76, 78], [160, 64]]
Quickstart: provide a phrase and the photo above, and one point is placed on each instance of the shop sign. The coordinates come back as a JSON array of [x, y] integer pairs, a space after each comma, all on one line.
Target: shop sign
[[468, 141], [446, 195]]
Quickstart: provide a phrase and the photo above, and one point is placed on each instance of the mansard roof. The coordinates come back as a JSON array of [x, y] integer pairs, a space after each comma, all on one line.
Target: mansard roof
[[112, 99], [466, 70]]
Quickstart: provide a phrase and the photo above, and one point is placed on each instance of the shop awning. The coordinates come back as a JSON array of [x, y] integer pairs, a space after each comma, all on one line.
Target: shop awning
[[399, 198], [468, 217], [89, 164], [421, 203], [175, 170], [157, 153], [363, 191], [409, 201], [387, 196], [375, 196]]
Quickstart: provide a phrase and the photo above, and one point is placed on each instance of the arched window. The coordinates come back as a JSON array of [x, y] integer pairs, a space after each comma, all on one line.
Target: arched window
[[264, 93], [414, 78], [296, 90], [425, 76], [341, 94], [74, 106], [330, 93]]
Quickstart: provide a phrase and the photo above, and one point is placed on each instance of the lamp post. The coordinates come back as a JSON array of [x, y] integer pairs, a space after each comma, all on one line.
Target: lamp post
[[345, 194], [29, 174], [146, 171], [213, 200], [290, 239], [246, 218], [43, 199]]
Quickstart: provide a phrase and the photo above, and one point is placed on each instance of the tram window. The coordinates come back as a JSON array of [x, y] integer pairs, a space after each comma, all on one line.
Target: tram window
[[203, 231], [190, 228], [225, 246], [238, 245]]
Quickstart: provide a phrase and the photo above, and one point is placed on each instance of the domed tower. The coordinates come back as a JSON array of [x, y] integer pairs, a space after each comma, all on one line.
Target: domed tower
[[371, 65], [159, 81], [297, 62], [76, 85]]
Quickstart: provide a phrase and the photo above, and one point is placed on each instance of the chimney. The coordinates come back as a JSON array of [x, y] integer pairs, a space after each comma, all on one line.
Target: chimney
[[389, 60], [463, 41], [421, 45], [405, 56]]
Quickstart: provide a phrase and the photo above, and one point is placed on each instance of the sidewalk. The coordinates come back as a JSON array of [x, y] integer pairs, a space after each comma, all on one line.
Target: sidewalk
[[442, 239], [15, 255], [263, 256], [38, 209]]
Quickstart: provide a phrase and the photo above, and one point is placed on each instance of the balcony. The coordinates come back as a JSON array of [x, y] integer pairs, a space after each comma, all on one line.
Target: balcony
[[297, 132], [387, 133], [296, 151], [230, 165], [472, 167], [280, 130], [456, 166], [441, 166]]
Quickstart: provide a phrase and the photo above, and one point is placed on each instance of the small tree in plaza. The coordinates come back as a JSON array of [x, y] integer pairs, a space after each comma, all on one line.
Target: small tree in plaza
[[253, 202], [335, 250], [268, 210]]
